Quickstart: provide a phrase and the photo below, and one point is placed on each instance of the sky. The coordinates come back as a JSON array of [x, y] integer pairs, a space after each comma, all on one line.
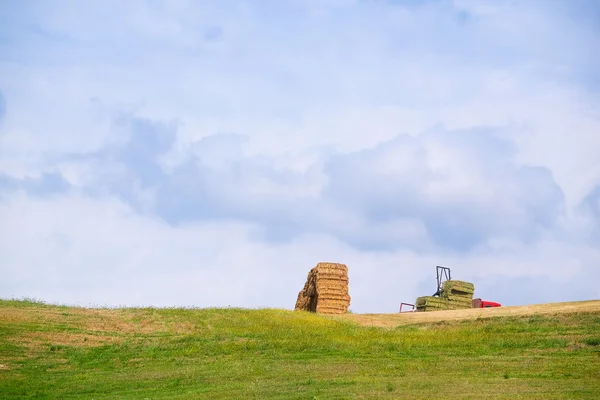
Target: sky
[[210, 153]]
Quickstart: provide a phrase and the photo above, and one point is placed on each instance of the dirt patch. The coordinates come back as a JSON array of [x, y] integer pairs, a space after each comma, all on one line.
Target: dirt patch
[[397, 319], [140, 322], [36, 340], [4, 367], [124, 321], [16, 315]]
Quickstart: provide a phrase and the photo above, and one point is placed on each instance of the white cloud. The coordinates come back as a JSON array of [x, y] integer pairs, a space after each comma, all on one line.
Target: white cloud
[[99, 252], [301, 132]]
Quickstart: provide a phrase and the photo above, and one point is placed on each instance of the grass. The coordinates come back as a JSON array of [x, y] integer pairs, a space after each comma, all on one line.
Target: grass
[[55, 352]]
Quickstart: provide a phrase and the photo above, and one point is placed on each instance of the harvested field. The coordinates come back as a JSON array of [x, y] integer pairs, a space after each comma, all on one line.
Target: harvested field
[[325, 290], [398, 319]]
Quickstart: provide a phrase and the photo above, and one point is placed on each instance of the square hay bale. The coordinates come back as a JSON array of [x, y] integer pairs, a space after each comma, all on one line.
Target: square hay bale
[[459, 294], [431, 308], [457, 302], [325, 290], [454, 306], [431, 303], [457, 297], [458, 287]]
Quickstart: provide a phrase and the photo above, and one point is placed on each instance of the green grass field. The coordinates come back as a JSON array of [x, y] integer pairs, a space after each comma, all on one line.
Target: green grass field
[[55, 352]]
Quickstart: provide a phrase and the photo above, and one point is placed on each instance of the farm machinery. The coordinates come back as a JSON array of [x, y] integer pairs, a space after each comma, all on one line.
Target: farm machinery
[[449, 295]]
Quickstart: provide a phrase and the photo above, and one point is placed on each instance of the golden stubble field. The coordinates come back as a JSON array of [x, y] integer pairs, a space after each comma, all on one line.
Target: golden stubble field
[[408, 318]]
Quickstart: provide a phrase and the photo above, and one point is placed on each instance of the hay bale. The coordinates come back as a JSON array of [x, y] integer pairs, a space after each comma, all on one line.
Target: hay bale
[[431, 303], [458, 287], [455, 295], [325, 290], [459, 294]]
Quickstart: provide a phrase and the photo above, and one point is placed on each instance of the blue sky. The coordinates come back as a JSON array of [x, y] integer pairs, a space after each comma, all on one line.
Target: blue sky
[[204, 153]]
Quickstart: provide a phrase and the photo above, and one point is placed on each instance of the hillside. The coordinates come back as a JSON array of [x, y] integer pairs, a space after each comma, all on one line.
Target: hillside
[[75, 353]]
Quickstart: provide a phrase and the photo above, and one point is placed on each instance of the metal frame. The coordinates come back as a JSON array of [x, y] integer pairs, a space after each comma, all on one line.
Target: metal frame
[[407, 304], [442, 272]]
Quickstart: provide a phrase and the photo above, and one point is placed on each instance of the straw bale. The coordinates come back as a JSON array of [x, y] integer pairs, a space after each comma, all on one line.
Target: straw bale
[[339, 273], [432, 303], [460, 304], [458, 300], [458, 287], [453, 283], [457, 297], [431, 308], [453, 292], [458, 294], [331, 267], [328, 291], [325, 290]]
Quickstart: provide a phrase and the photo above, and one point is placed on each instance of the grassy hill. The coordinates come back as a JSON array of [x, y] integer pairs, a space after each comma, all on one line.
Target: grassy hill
[[55, 352]]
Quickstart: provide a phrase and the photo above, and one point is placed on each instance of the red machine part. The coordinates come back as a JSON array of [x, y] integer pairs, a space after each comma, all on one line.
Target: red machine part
[[478, 303]]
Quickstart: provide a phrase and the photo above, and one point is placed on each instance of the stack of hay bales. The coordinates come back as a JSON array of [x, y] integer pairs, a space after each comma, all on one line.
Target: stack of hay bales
[[458, 293], [325, 290], [455, 295]]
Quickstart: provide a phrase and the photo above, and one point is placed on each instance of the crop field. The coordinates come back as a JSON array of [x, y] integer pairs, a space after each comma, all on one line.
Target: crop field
[[59, 352]]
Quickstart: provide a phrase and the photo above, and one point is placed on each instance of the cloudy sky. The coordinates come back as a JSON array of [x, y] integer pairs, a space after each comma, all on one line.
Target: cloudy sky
[[210, 153]]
